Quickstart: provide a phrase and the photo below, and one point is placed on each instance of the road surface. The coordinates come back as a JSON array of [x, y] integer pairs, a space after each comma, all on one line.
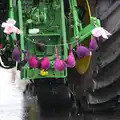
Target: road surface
[[14, 105]]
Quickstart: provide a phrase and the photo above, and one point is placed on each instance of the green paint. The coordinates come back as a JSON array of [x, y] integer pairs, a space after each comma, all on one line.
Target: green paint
[[47, 21]]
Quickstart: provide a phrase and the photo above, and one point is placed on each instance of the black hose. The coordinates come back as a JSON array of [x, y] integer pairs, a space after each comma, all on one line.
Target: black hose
[[3, 65]]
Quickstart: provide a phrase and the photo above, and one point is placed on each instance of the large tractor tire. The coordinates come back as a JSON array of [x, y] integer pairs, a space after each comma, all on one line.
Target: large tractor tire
[[99, 88], [107, 79]]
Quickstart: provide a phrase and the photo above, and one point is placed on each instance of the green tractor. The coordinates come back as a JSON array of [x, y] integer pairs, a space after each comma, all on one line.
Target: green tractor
[[49, 29]]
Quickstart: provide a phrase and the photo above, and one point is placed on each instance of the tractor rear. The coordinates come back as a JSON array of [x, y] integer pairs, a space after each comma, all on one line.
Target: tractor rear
[[45, 27], [48, 26]]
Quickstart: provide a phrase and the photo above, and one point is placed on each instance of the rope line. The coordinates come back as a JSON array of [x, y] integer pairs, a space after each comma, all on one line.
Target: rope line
[[50, 45]]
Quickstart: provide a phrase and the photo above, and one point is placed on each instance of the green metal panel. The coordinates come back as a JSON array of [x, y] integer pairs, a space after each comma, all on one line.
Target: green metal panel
[[44, 21], [20, 18], [49, 19]]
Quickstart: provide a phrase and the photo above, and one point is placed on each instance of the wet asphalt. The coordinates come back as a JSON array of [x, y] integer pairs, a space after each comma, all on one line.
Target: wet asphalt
[[16, 105]]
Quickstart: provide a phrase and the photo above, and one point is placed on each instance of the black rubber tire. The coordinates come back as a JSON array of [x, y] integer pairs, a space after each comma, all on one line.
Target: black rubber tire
[[98, 89], [52, 94], [106, 81]]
